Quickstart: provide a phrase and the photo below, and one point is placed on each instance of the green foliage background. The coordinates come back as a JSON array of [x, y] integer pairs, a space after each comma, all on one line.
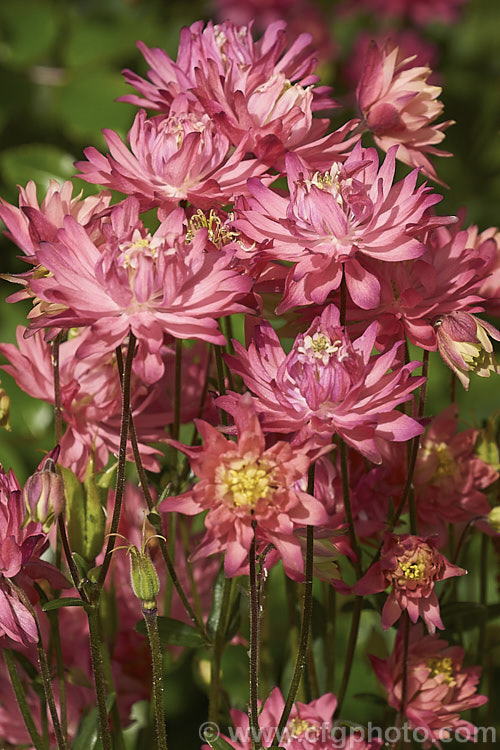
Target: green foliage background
[[60, 68]]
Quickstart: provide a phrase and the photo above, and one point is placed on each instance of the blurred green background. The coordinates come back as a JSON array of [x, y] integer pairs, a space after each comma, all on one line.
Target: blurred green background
[[60, 66]]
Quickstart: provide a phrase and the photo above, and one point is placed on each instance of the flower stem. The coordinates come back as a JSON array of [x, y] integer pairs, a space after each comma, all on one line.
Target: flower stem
[[178, 378], [351, 647], [254, 647], [122, 461], [344, 467], [99, 677], [26, 711], [218, 650], [219, 363], [304, 629], [151, 621], [58, 421]]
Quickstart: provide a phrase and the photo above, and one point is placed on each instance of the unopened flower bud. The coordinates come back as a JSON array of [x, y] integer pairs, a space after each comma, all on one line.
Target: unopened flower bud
[[494, 519], [43, 495], [144, 578], [465, 346], [4, 410]]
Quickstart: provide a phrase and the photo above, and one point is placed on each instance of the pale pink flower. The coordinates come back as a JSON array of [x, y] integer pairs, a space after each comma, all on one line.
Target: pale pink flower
[[399, 107], [438, 689], [256, 93], [410, 565], [149, 284], [180, 157], [328, 384], [34, 222], [331, 222], [91, 398], [20, 548], [464, 344], [245, 485], [309, 727], [490, 288]]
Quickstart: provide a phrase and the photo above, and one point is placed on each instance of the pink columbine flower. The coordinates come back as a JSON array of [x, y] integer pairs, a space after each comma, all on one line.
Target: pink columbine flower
[[464, 345], [399, 107], [331, 222], [256, 93], [34, 222], [309, 727], [438, 690], [445, 279], [328, 384], [410, 565], [149, 284], [245, 485], [180, 157], [20, 548]]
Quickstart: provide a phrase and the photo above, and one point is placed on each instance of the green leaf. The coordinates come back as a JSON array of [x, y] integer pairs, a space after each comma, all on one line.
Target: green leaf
[[174, 632], [215, 610], [88, 732], [69, 601], [29, 30], [467, 615], [36, 161]]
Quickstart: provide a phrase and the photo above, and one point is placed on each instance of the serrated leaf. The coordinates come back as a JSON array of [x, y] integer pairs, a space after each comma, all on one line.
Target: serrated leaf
[[69, 601], [87, 737], [174, 632]]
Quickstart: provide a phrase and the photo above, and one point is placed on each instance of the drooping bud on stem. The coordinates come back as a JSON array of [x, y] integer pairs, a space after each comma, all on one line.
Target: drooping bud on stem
[[464, 345], [43, 494]]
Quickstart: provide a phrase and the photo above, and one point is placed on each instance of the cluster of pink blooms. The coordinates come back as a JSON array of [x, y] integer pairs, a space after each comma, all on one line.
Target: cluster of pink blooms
[[356, 265]]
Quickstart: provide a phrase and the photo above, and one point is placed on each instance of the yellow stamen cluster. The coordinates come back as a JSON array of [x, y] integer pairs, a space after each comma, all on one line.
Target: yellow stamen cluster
[[298, 727], [246, 482], [442, 666], [414, 571], [218, 234], [445, 461], [319, 346]]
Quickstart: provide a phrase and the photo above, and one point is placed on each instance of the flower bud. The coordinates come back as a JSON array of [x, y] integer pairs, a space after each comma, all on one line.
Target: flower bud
[[144, 578], [4, 410], [494, 519], [464, 345], [43, 495]]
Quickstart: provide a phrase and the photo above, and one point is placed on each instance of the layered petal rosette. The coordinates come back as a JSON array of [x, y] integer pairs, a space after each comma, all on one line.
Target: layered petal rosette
[[399, 107], [328, 384], [174, 158], [330, 222], [149, 284], [259, 95], [439, 688], [410, 565], [20, 548], [248, 488]]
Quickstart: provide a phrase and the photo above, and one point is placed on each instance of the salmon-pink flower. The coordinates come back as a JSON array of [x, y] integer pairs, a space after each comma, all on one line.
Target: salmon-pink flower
[[149, 284], [179, 157], [245, 485], [328, 384], [20, 548], [438, 687], [464, 345], [331, 222], [410, 565], [399, 107]]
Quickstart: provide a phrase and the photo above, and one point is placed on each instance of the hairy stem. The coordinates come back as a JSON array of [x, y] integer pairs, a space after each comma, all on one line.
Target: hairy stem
[[351, 647], [151, 621], [254, 647], [99, 677], [218, 650], [122, 461]]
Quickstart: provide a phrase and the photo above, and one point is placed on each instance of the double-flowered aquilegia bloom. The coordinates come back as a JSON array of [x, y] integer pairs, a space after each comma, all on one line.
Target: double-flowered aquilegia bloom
[[328, 384], [410, 565], [245, 487], [20, 548], [438, 689], [149, 284]]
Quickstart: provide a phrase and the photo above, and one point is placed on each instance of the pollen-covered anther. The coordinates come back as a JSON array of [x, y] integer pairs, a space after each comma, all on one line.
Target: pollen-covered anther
[[442, 666], [414, 571], [218, 233], [298, 726]]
